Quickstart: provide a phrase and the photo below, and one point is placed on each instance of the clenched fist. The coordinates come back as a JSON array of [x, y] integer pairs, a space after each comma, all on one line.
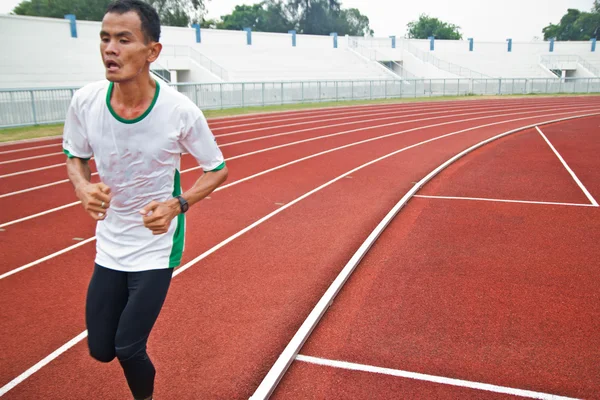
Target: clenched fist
[[95, 198], [158, 215]]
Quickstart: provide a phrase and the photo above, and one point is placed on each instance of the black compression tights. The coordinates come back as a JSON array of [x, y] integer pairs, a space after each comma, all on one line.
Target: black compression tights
[[121, 309]]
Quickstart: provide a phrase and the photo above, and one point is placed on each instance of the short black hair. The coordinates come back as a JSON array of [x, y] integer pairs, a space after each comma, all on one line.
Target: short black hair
[[147, 13]]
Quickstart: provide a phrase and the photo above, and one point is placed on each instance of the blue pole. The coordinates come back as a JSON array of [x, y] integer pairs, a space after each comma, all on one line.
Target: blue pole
[[593, 44], [198, 36], [431, 43], [509, 45], [470, 44], [551, 45], [248, 36], [73, 20], [335, 36], [293, 32], [393, 41]]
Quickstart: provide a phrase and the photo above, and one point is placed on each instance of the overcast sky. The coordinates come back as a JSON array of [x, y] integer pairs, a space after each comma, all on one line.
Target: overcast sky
[[481, 19]]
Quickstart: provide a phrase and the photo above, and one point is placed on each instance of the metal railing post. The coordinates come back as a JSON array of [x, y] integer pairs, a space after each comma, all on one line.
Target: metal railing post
[[33, 110]]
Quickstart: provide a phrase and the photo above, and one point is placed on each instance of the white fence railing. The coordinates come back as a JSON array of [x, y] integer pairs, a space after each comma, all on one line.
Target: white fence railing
[[444, 65], [558, 62], [371, 53], [24, 107], [187, 51]]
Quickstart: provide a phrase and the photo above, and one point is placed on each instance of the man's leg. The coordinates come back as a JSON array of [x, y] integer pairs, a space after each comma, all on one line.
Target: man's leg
[[147, 293], [106, 298]]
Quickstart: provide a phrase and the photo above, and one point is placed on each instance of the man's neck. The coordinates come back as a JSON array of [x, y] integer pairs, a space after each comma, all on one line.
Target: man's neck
[[134, 93]]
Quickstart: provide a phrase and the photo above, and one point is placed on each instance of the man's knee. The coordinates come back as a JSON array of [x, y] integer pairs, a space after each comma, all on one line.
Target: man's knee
[[130, 351], [102, 354]]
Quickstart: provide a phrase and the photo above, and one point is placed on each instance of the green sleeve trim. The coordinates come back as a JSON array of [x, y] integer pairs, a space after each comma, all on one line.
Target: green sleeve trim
[[69, 155], [220, 167]]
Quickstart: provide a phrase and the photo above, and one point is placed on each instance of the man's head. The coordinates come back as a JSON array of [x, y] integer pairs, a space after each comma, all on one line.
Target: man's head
[[129, 39]]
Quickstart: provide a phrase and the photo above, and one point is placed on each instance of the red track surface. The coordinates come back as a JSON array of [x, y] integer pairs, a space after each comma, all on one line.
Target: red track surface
[[498, 293], [228, 317]]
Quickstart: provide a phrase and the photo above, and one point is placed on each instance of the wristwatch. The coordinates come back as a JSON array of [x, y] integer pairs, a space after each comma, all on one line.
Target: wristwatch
[[183, 204]]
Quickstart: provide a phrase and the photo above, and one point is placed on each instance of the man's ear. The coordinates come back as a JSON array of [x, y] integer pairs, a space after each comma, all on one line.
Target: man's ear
[[155, 49]]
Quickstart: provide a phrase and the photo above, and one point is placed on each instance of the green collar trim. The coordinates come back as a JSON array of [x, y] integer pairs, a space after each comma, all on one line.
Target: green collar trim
[[130, 121]]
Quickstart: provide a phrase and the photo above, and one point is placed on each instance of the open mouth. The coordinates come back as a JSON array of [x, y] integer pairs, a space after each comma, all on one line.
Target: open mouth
[[111, 66]]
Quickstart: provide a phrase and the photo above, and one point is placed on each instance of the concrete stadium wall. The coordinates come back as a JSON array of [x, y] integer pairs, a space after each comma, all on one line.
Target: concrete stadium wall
[[40, 52]]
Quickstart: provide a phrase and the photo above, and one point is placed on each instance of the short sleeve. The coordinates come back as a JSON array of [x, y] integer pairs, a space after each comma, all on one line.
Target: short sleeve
[[75, 141], [200, 142]]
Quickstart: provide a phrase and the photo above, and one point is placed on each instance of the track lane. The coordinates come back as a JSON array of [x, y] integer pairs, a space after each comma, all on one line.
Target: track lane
[[241, 168], [306, 176]]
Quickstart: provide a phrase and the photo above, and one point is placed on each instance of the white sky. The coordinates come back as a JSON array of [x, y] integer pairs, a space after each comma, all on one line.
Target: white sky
[[483, 20]]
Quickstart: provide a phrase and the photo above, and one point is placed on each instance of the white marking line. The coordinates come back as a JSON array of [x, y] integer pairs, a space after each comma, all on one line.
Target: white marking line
[[503, 201], [42, 363], [396, 115], [82, 335], [33, 140], [48, 257], [29, 148], [16, 221], [32, 170], [445, 110], [362, 113], [30, 158], [429, 378], [285, 359], [295, 161], [575, 178]]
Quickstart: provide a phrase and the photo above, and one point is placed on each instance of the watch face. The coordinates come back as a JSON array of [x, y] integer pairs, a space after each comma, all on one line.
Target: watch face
[[183, 204]]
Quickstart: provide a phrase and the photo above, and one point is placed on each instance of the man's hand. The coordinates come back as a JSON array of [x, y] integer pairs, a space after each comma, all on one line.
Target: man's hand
[[158, 215], [95, 198]]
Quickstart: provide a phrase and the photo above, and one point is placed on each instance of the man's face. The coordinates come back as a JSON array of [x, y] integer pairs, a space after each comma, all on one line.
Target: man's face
[[122, 45]]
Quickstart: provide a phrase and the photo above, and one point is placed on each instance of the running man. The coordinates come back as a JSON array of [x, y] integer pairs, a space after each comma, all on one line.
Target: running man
[[136, 130]]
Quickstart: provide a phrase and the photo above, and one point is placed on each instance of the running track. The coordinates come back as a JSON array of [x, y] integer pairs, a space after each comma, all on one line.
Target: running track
[[305, 190]]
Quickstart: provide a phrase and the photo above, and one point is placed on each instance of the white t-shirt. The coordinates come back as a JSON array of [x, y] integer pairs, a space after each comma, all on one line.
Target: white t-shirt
[[139, 160]]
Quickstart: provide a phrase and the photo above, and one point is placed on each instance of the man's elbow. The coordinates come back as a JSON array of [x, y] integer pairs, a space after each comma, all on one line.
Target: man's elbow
[[224, 173]]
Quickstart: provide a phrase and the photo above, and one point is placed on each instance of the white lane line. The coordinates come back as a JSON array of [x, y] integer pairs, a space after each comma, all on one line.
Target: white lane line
[[29, 148], [396, 115], [33, 140], [575, 178], [429, 378], [31, 170], [367, 107], [30, 158], [502, 201], [48, 257], [307, 130], [291, 144], [445, 110], [285, 359], [82, 335], [16, 221], [42, 363], [362, 113]]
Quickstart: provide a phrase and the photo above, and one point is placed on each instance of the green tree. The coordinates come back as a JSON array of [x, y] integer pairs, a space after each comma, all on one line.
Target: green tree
[[574, 25], [267, 16], [321, 17], [171, 12], [427, 26], [88, 10], [596, 7], [352, 22]]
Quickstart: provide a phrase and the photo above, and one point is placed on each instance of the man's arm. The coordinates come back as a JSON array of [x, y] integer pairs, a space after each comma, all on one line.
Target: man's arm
[[95, 197], [163, 212]]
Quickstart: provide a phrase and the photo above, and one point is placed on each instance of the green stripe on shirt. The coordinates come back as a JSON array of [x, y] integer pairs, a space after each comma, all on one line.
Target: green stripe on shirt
[[179, 236]]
